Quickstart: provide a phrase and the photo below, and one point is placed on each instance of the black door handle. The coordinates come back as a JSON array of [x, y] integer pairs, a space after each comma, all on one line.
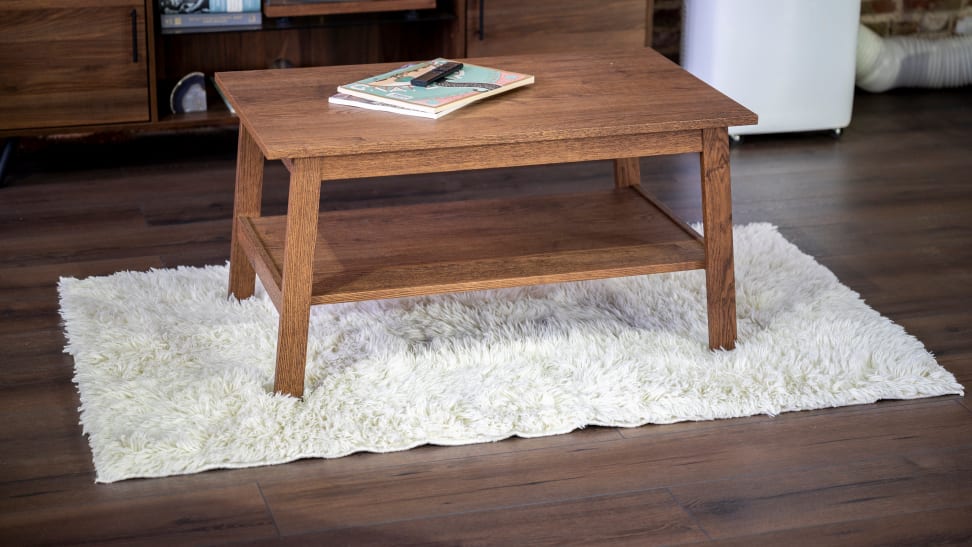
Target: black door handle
[[134, 15], [481, 31]]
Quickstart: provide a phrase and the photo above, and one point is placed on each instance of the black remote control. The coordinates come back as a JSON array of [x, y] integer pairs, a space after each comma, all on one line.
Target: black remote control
[[435, 74]]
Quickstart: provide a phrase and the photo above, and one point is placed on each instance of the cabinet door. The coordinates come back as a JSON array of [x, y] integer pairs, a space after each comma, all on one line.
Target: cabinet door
[[72, 63], [502, 27]]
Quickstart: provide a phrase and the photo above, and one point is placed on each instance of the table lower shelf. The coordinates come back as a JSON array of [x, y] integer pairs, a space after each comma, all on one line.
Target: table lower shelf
[[390, 252]]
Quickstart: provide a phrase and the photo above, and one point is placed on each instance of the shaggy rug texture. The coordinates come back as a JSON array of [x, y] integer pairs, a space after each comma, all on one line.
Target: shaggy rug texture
[[176, 378]]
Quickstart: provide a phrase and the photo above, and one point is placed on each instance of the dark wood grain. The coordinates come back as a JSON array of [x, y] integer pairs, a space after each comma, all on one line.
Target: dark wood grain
[[932, 527], [89, 74], [691, 453], [232, 514], [641, 518], [886, 207], [514, 27], [860, 490]]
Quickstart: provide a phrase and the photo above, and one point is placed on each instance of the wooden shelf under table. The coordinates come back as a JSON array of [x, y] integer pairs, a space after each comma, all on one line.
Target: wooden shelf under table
[[411, 250]]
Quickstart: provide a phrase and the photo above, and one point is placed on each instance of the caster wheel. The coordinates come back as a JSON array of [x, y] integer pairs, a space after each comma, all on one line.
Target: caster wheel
[[836, 133]]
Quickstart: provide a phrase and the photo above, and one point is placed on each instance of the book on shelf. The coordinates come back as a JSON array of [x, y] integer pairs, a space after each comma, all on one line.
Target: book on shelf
[[208, 6], [211, 21], [470, 84]]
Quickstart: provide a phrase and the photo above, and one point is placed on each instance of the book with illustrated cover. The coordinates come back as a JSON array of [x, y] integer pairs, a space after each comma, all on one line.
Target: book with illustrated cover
[[471, 83], [212, 21], [351, 100], [208, 6]]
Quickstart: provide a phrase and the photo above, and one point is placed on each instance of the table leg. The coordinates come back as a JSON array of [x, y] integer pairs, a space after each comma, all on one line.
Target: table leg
[[246, 203], [303, 205], [627, 172], [717, 217]]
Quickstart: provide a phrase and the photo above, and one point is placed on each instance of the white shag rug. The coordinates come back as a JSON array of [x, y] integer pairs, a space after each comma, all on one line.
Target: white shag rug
[[176, 378]]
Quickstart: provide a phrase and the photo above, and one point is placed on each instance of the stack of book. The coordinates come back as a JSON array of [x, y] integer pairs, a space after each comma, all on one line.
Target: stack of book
[[394, 92], [209, 15]]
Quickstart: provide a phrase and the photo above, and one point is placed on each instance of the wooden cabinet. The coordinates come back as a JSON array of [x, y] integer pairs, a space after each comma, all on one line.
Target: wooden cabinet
[[501, 27], [67, 63], [93, 65], [306, 41]]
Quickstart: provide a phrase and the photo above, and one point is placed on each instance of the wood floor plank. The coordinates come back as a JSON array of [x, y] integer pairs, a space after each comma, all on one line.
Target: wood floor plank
[[35, 356], [959, 363], [210, 516], [641, 518], [30, 292], [830, 494], [49, 490], [319, 499], [43, 231], [39, 410], [47, 274], [41, 432], [28, 308], [112, 243], [926, 528]]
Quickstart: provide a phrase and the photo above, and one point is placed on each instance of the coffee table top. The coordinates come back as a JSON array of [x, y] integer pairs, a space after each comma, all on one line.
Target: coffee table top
[[576, 96]]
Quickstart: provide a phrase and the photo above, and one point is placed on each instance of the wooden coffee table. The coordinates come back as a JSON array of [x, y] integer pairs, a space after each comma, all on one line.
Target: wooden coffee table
[[615, 106]]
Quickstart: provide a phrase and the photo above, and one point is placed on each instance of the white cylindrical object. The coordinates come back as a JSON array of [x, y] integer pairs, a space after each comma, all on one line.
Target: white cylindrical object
[[909, 61], [790, 61]]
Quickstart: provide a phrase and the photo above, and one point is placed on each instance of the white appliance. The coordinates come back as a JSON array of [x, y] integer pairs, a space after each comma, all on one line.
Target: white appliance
[[789, 61]]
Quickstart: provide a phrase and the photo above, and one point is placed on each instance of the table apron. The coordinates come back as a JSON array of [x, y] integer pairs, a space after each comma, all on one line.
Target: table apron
[[465, 158]]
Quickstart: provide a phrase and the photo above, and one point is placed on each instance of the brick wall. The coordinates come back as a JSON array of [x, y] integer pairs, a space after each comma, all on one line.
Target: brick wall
[[925, 17], [887, 17]]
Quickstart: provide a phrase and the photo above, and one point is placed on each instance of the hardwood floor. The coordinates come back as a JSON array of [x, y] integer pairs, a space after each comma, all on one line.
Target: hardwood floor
[[888, 208]]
